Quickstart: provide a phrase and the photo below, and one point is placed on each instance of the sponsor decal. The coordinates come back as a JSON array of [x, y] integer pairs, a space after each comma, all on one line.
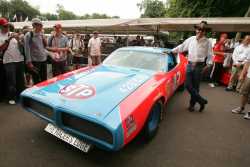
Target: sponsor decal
[[131, 84], [178, 77], [176, 80], [77, 91], [130, 125]]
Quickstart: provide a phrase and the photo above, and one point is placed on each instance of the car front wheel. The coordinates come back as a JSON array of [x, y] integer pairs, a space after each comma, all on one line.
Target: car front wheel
[[153, 120]]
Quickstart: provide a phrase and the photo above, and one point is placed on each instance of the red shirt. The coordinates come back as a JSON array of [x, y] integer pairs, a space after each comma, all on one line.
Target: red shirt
[[219, 47]]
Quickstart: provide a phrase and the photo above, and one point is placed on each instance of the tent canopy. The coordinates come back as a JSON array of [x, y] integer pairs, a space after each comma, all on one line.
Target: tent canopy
[[147, 25]]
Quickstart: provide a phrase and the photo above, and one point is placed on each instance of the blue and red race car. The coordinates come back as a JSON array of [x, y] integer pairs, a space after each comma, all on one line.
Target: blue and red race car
[[108, 105]]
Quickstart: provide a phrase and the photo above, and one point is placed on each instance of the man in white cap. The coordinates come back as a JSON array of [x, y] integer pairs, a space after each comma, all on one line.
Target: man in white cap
[[35, 52]]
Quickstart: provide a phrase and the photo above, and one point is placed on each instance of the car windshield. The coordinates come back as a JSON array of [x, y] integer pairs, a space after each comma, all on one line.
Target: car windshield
[[137, 59]]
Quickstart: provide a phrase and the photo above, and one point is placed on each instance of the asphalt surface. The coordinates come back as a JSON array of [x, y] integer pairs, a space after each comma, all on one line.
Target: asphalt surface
[[214, 138]]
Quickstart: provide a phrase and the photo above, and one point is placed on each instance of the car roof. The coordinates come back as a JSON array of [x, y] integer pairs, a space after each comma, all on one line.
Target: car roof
[[146, 49]]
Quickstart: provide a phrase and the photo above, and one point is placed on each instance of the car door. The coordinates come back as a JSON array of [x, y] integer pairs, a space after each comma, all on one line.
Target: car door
[[173, 74]]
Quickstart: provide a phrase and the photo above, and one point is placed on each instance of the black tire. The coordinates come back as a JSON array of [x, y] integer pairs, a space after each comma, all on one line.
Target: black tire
[[153, 120]]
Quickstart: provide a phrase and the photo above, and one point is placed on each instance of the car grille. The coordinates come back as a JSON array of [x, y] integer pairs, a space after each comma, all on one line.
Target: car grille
[[38, 107], [89, 128]]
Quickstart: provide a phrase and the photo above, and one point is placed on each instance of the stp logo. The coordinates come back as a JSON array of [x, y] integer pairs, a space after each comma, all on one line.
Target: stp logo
[[77, 91]]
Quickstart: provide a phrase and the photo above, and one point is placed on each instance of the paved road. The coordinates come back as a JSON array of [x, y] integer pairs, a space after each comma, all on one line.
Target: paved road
[[213, 138]]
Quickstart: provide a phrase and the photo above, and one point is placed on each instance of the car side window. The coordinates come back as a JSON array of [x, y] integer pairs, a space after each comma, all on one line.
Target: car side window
[[171, 61]]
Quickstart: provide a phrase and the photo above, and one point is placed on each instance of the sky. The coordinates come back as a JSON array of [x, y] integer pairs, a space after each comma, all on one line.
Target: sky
[[122, 8]]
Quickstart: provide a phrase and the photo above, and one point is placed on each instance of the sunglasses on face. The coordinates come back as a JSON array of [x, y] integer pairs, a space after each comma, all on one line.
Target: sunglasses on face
[[200, 29], [36, 24]]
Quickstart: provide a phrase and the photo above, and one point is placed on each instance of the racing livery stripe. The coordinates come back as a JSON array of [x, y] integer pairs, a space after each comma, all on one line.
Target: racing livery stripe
[[62, 77], [133, 116]]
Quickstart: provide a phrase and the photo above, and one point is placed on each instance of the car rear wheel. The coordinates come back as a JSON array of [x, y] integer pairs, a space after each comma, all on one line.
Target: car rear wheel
[[153, 120]]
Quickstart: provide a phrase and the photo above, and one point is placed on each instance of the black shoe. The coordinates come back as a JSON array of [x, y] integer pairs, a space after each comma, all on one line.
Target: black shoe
[[190, 108], [229, 89], [202, 106]]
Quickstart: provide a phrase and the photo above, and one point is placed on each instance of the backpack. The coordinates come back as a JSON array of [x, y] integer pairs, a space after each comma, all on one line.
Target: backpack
[[43, 38], [50, 41]]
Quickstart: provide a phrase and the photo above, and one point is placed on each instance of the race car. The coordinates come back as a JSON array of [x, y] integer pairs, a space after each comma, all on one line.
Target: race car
[[109, 105]]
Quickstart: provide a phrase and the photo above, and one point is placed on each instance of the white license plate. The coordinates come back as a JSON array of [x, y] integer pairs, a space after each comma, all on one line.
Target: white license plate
[[59, 133]]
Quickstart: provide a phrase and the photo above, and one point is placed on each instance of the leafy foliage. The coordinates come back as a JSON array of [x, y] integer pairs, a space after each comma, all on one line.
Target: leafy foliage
[[194, 8], [49, 16], [22, 9], [152, 8], [64, 14]]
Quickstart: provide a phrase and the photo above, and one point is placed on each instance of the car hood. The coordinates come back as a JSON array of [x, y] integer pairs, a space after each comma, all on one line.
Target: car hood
[[94, 93]]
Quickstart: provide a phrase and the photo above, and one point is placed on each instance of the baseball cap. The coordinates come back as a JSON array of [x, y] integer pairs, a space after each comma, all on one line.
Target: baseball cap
[[3, 22], [36, 21], [57, 26]]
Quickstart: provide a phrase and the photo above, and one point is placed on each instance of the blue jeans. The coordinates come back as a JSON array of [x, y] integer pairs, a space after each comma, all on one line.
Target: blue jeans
[[192, 83]]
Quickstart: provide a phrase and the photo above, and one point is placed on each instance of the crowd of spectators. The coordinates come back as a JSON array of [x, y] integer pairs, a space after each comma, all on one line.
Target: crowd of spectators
[[24, 56]]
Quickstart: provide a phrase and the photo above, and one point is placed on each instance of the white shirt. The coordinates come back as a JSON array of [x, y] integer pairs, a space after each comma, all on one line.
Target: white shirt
[[247, 54], [239, 54], [197, 50], [76, 44], [3, 37], [12, 54], [213, 41], [95, 46]]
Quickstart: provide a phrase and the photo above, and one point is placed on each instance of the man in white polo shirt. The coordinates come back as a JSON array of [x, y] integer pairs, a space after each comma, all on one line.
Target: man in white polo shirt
[[245, 89], [198, 47], [94, 48], [239, 57]]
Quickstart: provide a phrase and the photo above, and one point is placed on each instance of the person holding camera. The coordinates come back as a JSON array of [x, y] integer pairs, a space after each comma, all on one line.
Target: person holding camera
[[77, 50], [13, 62]]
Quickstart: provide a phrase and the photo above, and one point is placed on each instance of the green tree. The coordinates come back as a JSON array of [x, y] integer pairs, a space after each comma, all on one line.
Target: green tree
[[50, 16], [152, 8], [207, 8], [97, 16], [22, 9], [65, 14], [5, 9]]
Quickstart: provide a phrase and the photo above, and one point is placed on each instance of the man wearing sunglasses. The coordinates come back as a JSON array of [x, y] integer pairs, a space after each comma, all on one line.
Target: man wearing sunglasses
[[35, 52], [198, 48]]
